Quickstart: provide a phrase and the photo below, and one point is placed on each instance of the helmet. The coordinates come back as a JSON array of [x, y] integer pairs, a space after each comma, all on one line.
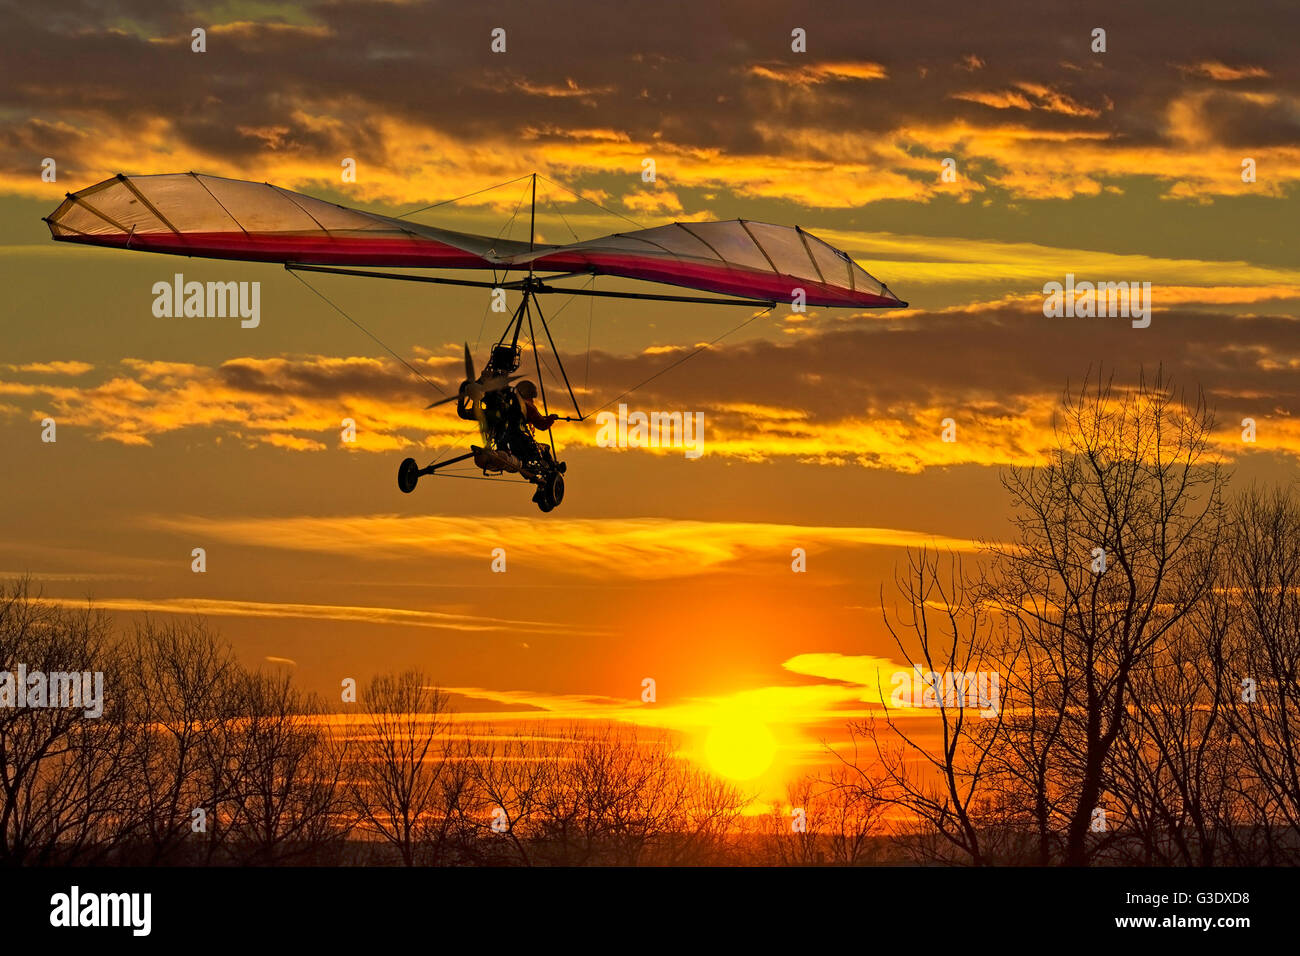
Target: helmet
[[527, 390]]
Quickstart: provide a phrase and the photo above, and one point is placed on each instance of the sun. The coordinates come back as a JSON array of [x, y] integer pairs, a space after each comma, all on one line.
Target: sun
[[739, 746]]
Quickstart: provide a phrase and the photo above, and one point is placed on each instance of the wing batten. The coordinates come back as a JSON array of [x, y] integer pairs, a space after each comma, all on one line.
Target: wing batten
[[759, 245], [808, 249], [148, 205], [701, 240], [48, 221], [223, 205], [108, 219], [307, 212]]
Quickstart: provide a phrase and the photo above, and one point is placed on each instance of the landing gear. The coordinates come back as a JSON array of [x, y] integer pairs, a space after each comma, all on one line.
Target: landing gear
[[408, 473], [550, 492], [548, 475]]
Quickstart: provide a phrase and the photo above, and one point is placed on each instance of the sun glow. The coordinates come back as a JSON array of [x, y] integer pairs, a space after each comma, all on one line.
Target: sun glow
[[739, 745]]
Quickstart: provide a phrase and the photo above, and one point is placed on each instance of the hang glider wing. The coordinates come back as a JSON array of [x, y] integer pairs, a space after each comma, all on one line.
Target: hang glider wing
[[207, 216], [737, 257]]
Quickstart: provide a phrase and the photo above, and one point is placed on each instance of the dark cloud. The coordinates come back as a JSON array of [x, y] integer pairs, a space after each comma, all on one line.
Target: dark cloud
[[999, 356], [1235, 120], [310, 380], [681, 71]]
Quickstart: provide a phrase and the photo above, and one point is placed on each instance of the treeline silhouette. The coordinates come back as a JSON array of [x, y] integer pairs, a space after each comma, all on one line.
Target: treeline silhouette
[[199, 760]]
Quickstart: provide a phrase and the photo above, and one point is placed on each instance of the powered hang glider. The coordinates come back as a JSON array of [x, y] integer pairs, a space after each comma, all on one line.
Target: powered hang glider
[[741, 263]]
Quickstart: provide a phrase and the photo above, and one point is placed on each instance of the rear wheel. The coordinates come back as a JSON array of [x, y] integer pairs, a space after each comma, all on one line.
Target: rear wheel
[[408, 473], [550, 493]]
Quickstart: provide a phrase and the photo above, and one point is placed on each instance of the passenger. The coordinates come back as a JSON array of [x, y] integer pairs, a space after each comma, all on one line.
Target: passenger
[[527, 393]]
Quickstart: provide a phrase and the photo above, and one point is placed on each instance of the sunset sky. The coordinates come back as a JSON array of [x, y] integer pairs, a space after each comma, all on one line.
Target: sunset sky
[[822, 430]]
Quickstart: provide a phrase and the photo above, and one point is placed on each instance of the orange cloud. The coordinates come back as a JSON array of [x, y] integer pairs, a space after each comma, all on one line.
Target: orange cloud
[[641, 548], [1030, 96], [53, 368], [805, 76], [654, 202], [247, 398], [325, 612], [1215, 70]]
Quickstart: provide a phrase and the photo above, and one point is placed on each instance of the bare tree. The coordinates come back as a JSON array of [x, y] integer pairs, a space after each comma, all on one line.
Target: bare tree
[[402, 789], [835, 818], [507, 775], [178, 678], [1260, 635], [1105, 719], [1172, 762], [62, 790], [283, 775], [711, 809], [597, 794], [621, 794], [944, 638], [1115, 543]]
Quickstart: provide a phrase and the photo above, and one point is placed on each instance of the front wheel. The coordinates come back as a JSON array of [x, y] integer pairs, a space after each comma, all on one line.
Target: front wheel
[[408, 473]]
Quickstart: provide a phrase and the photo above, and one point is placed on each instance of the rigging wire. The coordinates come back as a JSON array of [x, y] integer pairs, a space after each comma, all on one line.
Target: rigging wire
[[568, 302], [459, 198], [487, 307], [451, 474], [414, 371], [684, 358], [591, 312], [592, 201], [376, 338], [509, 225], [556, 209]]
